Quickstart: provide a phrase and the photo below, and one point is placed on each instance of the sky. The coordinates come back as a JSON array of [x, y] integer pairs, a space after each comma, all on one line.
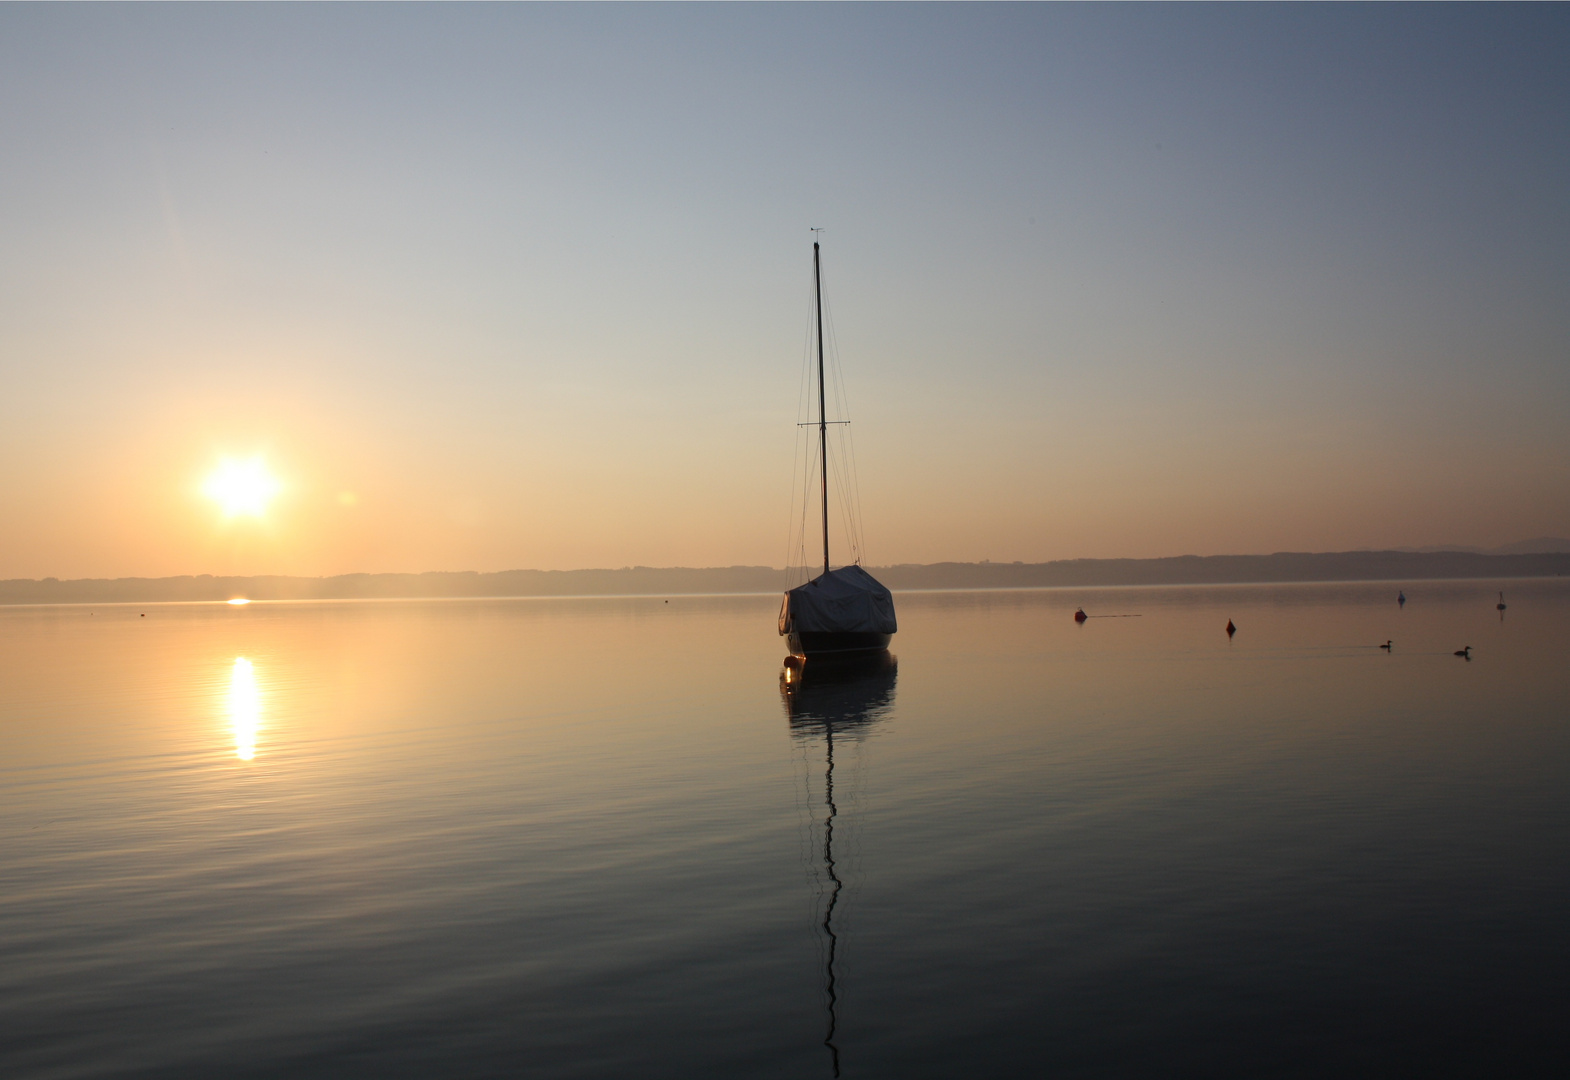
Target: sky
[[494, 287]]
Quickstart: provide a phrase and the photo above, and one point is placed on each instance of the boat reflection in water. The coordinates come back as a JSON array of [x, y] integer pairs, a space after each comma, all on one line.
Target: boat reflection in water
[[835, 698]]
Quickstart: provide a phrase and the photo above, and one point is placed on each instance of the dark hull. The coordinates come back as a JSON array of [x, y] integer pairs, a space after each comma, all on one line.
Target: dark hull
[[820, 643]]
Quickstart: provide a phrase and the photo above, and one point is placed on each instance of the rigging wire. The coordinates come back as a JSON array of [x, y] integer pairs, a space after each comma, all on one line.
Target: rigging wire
[[842, 469], [849, 490], [803, 457]]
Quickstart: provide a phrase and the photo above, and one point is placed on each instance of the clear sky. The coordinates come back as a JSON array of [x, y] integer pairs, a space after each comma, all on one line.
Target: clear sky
[[494, 287]]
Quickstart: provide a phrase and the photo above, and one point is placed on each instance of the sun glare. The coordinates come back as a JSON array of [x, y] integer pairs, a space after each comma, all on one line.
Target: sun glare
[[241, 487], [245, 708]]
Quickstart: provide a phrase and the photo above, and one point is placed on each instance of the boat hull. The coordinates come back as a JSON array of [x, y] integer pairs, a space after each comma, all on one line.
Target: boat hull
[[823, 642]]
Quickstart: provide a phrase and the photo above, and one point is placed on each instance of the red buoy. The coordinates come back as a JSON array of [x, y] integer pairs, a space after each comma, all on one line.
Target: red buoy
[[1080, 616], [1230, 628]]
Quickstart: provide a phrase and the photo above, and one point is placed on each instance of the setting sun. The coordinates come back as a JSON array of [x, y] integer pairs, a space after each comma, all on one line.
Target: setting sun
[[241, 487]]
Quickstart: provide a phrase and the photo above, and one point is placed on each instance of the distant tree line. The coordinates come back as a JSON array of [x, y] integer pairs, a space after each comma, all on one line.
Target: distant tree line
[[648, 580]]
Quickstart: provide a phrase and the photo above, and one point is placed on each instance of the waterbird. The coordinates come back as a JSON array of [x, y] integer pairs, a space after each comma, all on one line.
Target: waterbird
[[1230, 628], [1401, 599], [1386, 645], [1080, 616], [1465, 653], [1501, 605]]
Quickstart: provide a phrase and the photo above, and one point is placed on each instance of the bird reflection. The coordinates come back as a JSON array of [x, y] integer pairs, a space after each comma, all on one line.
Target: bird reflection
[[245, 708], [832, 697]]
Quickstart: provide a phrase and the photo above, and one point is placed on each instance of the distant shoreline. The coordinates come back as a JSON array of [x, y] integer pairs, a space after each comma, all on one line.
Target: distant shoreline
[[770, 593], [1281, 568]]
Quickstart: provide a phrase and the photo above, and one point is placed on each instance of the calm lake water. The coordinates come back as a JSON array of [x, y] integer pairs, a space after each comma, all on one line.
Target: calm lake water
[[606, 837]]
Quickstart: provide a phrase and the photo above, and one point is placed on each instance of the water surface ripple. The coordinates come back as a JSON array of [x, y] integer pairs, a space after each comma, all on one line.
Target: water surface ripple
[[615, 837]]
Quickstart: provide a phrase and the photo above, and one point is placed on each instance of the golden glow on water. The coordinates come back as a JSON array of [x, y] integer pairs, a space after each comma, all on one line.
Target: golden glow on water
[[456, 775], [239, 601], [245, 708]]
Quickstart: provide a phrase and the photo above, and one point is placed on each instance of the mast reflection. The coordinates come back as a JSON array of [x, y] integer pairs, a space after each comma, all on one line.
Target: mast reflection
[[830, 697], [245, 708]]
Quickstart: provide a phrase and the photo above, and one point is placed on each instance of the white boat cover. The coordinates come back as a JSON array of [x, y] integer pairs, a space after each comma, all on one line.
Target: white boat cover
[[847, 600]]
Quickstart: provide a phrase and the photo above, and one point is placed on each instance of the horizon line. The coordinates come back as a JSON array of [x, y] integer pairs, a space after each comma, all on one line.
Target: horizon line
[[1314, 582], [1425, 551]]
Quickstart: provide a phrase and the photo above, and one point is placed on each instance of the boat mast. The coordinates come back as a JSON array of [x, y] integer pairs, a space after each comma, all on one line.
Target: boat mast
[[823, 419]]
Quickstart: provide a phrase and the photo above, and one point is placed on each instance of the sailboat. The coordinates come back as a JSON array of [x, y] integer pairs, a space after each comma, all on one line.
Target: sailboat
[[844, 611]]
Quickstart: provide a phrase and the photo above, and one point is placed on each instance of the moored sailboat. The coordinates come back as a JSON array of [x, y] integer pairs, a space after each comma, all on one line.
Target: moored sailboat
[[844, 611]]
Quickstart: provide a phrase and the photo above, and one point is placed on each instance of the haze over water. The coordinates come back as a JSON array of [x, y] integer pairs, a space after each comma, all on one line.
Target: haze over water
[[490, 287], [565, 838]]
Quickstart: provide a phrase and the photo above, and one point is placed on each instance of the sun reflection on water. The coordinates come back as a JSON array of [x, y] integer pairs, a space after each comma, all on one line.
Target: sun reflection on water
[[245, 708]]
